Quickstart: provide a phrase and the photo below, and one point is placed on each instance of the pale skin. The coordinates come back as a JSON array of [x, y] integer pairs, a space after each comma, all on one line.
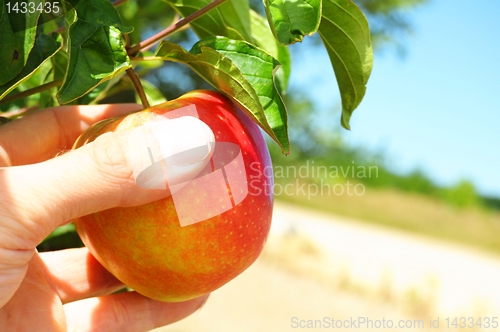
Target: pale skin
[[67, 290]]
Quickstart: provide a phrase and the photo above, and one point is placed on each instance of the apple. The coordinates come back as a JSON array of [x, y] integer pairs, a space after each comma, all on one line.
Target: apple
[[148, 249]]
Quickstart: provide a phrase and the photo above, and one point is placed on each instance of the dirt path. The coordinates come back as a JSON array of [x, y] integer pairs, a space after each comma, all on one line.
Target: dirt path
[[318, 267]]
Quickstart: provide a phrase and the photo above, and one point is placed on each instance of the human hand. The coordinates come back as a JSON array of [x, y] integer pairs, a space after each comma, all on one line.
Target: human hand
[[67, 289]]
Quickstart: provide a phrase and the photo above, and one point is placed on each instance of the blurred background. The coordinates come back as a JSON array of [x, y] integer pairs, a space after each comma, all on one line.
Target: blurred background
[[397, 219]]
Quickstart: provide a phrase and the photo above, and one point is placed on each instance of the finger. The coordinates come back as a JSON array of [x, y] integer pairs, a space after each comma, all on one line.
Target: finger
[[75, 274], [126, 312], [42, 134], [34, 306], [98, 176], [13, 267]]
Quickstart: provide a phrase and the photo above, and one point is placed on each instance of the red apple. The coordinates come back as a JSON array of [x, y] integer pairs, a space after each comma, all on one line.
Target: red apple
[[146, 247]]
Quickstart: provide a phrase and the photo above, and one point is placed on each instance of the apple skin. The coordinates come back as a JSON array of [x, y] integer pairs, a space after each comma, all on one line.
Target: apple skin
[[146, 248]]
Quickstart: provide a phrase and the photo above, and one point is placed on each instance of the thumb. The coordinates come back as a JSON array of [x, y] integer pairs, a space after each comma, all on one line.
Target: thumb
[[122, 168]]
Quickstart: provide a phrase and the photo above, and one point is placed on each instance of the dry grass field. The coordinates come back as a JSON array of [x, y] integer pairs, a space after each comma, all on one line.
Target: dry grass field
[[319, 266], [416, 213]]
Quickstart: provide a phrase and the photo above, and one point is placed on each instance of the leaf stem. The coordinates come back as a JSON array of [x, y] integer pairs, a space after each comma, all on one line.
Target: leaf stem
[[173, 28], [136, 81], [29, 92], [145, 58]]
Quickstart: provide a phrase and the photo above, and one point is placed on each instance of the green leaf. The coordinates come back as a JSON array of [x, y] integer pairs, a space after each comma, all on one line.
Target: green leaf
[[216, 60], [145, 15], [291, 20], [346, 35], [93, 95], [59, 64], [45, 47], [258, 68], [263, 38], [100, 92], [63, 237], [18, 38], [96, 51], [228, 19], [46, 74], [283, 73], [25, 17], [99, 12], [236, 14]]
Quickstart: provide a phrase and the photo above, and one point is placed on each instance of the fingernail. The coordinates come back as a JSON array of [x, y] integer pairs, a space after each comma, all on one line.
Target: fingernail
[[184, 143]]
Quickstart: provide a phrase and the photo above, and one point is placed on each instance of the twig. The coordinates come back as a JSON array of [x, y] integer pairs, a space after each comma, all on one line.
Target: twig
[[127, 40], [119, 2], [136, 81], [132, 51], [173, 28], [29, 92], [60, 29]]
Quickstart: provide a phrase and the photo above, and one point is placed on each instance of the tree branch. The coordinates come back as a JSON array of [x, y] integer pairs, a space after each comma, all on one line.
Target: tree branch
[[132, 51], [173, 28], [29, 92]]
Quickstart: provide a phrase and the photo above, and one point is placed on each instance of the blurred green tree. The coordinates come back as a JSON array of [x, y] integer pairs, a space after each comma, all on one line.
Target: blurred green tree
[[389, 19]]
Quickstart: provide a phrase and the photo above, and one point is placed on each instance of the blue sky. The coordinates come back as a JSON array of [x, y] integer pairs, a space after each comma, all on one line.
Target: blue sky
[[437, 108]]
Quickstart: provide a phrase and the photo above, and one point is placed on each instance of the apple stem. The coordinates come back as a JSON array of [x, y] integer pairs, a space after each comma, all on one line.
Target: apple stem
[[173, 28], [136, 81]]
